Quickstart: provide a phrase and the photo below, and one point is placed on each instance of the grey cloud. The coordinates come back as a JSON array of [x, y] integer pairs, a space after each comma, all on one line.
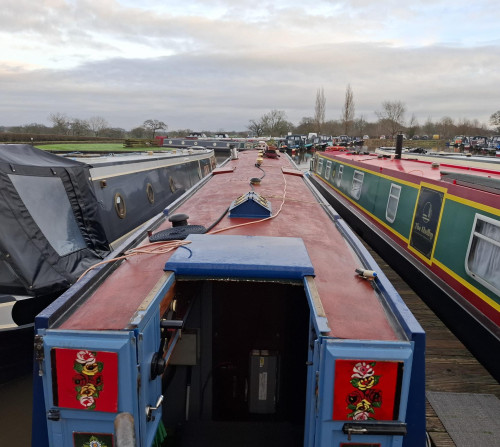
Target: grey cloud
[[214, 91]]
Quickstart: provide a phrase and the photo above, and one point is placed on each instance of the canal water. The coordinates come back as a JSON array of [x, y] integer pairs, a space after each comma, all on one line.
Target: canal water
[[15, 411]]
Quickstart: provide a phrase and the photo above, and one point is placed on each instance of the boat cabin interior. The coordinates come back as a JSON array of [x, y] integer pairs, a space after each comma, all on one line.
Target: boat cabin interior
[[240, 367]]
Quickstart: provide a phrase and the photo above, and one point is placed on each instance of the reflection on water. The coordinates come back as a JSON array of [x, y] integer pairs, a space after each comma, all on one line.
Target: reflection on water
[[15, 411], [302, 159]]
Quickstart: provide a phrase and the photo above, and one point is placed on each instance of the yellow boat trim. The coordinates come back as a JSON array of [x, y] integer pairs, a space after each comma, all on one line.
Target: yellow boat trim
[[404, 182], [453, 197], [472, 204], [381, 222]]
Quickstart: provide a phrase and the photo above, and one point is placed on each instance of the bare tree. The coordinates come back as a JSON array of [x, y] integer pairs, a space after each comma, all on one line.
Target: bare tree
[[412, 126], [391, 117], [307, 125], [97, 124], [273, 123], [255, 128], [446, 127], [319, 110], [60, 123], [429, 127], [347, 116], [154, 125], [79, 127], [495, 120], [360, 125]]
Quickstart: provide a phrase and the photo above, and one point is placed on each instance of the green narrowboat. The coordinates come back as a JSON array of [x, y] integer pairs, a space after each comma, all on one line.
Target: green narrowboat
[[437, 224]]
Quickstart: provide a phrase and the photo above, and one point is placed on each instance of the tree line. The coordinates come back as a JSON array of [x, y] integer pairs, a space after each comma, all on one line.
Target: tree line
[[391, 119]]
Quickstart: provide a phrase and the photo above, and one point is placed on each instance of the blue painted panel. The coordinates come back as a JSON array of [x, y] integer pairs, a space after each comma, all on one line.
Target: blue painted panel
[[60, 432], [328, 431], [242, 256]]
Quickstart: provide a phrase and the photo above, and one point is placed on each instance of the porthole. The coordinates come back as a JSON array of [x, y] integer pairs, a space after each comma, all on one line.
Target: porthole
[[172, 185], [120, 207], [150, 193]]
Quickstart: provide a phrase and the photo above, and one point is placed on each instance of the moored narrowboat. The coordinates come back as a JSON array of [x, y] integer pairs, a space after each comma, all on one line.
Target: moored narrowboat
[[257, 319], [437, 223], [60, 215]]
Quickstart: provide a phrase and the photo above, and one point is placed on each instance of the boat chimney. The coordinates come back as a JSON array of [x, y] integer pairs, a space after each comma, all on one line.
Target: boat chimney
[[179, 220], [233, 151], [399, 146]]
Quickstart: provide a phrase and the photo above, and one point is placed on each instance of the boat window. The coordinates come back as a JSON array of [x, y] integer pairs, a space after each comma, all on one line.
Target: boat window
[[338, 180], [328, 169], [120, 207], [483, 254], [357, 183], [320, 166], [392, 202], [54, 217]]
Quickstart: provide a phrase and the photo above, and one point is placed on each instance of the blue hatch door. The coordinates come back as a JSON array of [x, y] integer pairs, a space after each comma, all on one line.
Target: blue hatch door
[[355, 398]]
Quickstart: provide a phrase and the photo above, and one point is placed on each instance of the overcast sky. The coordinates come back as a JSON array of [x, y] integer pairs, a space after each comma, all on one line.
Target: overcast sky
[[216, 64]]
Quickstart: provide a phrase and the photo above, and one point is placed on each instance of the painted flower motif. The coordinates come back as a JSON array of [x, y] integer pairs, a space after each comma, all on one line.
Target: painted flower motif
[[80, 379], [95, 442], [363, 400], [361, 416], [85, 357], [88, 390], [366, 383], [87, 401], [88, 380], [90, 368], [362, 370], [374, 396], [364, 405], [354, 397], [97, 380]]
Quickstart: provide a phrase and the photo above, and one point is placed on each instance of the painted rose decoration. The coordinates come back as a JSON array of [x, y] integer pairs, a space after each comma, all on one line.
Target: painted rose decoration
[[88, 380], [363, 401]]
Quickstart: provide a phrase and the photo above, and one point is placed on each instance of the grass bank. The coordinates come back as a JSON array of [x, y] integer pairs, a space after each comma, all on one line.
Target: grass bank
[[91, 147]]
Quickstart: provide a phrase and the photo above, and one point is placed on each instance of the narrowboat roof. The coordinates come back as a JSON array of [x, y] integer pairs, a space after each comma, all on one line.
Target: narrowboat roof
[[126, 158], [298, 214], [434, 169]]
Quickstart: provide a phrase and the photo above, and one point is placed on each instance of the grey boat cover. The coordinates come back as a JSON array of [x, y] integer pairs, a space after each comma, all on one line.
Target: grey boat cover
[[50, 231]]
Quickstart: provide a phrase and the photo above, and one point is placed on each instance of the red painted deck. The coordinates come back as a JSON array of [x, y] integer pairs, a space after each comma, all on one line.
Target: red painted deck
[[351, 306]]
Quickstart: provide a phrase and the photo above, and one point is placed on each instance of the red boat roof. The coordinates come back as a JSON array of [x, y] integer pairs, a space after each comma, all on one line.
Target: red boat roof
[[429, 169], [351, 305]]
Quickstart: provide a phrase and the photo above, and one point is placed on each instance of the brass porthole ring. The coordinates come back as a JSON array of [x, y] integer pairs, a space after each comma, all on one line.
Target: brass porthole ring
[[150, 193], [120, 207]]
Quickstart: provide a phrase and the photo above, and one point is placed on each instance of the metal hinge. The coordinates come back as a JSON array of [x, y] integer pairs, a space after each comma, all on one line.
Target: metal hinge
[[54, 415], [39, 353]]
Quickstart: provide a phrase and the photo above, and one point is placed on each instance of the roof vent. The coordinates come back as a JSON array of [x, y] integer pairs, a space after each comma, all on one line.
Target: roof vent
[[250, 205]]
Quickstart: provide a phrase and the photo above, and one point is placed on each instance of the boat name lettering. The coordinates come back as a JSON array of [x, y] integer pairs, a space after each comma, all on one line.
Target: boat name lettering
[[424, 231]]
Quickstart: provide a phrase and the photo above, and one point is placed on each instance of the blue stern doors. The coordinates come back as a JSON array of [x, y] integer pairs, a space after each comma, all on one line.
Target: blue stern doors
[[357, 399], [87, 382]]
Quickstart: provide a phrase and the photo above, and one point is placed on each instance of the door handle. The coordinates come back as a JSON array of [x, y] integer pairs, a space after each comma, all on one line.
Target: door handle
[[150, 409]]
